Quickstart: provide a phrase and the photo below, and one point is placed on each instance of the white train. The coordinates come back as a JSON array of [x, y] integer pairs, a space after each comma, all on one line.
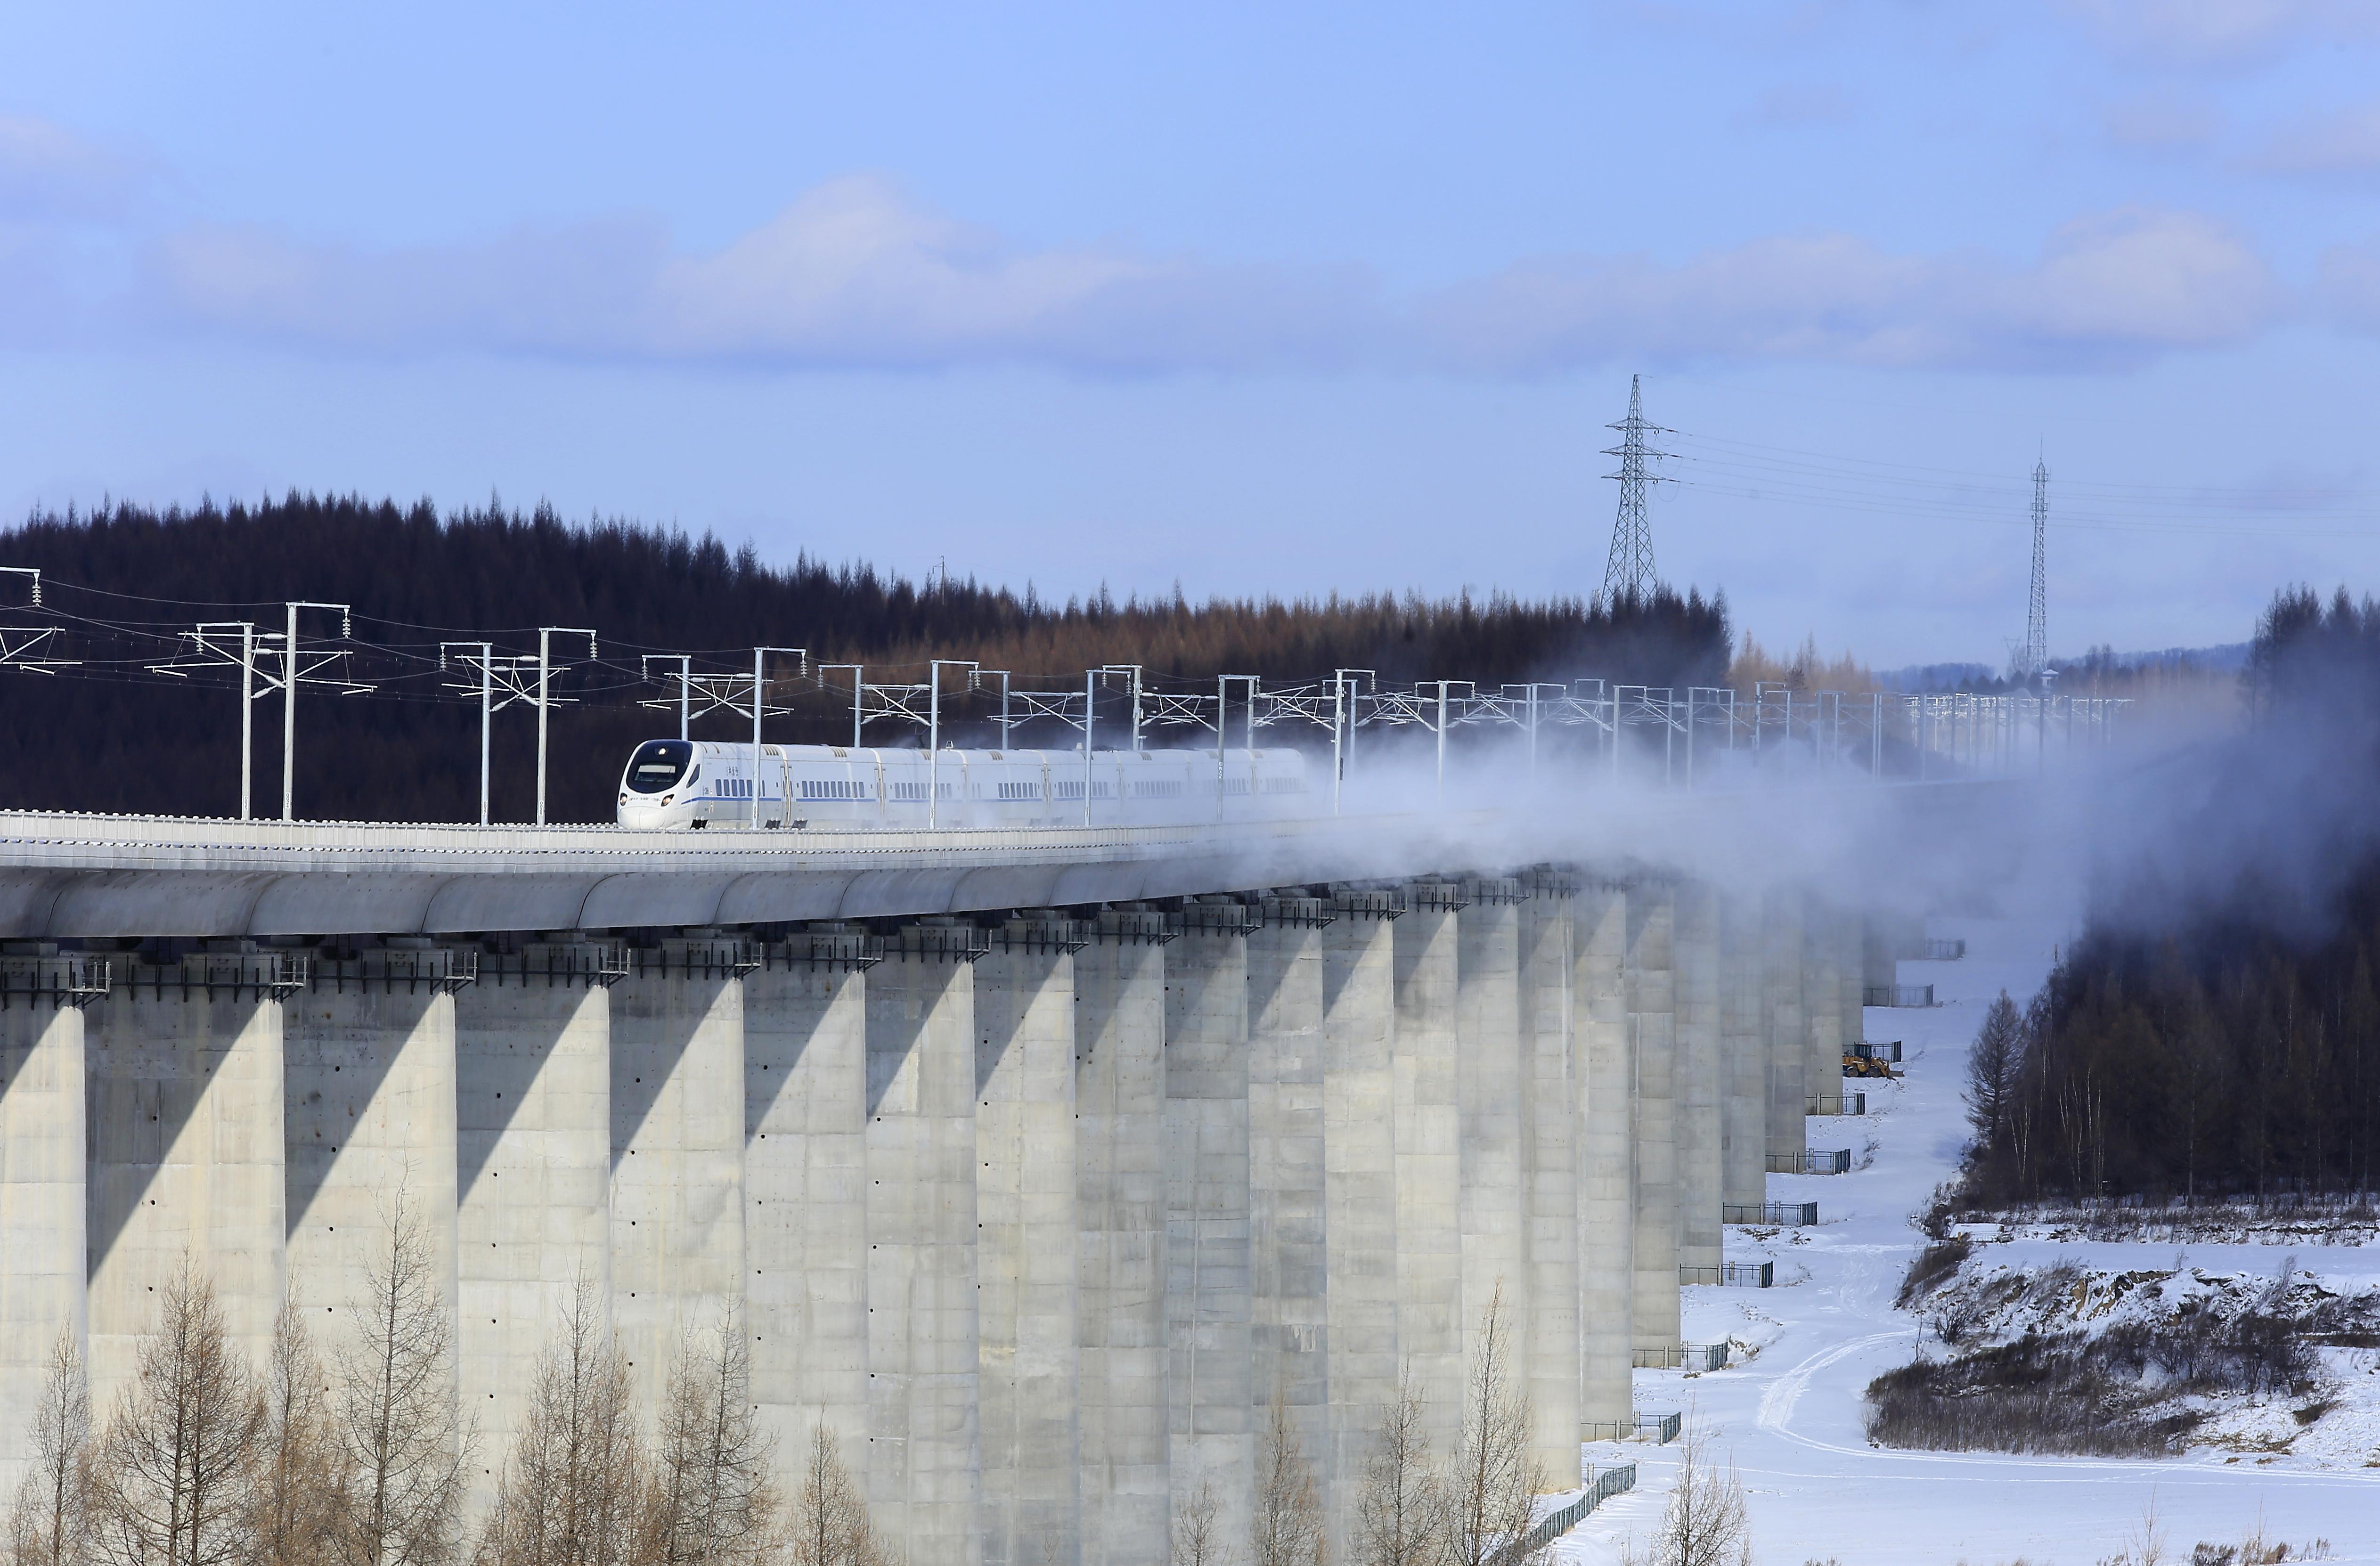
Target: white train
[[687, 783]]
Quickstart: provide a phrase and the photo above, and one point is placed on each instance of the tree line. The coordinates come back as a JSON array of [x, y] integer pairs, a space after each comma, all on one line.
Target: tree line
[[2216, 1031], [109, 734]]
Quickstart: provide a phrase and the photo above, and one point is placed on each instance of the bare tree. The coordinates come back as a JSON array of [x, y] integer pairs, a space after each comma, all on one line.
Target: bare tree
[[831, 1526], [175, 1474], [50, 1524], [398, 1420], [1198, 1529], [298, 1495], [1288, 1529], [570, 1491], [713, 1500], [1399, 1520], [1707, 1523], [1492, 1483]]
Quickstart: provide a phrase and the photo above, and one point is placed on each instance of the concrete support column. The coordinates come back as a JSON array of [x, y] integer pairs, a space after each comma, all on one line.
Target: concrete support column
[[1743, 1072], [924, 1455], [1208, 1302], [1430, 1306], [1822, 1003], [677, 1148], [533, 1135], [1781, 1023], [184, 1117], [1851, 969], [369, 1083], [1027, 1344], [1607, 1195], [806, 1188], [1701, 1136], [1549, 1101], [1491, 1070], [1288, 1243], [1120, 1210], [1359, 1186], [42, 1195], [1653, 1018]]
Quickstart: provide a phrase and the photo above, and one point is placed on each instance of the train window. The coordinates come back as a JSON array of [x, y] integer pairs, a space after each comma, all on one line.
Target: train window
[[658, 764]]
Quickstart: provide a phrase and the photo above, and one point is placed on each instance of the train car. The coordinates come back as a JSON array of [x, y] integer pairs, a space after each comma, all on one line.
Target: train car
[[690, 784]]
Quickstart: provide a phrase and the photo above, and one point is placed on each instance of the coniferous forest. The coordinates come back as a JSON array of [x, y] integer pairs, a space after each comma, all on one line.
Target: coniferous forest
[[131, 725], [2216, 1032]]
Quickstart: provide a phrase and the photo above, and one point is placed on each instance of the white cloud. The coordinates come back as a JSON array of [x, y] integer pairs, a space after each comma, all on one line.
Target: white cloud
[[2347, 142], [851, 274], [2349, 285], [1803, 105], [2109, 289], [47, 173], [854, 276], [2160, 123], [2220, 32]]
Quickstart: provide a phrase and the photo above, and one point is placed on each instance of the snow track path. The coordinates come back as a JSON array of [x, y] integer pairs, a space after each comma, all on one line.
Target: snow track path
[[1788, 1413]]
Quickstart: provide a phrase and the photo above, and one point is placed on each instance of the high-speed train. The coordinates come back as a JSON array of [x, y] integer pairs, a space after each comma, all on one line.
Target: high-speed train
[[689, 783]]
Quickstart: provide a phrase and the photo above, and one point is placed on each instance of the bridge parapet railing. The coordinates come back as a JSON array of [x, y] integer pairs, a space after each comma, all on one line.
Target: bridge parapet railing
[[594, 962], [44, 974], [445, 967]]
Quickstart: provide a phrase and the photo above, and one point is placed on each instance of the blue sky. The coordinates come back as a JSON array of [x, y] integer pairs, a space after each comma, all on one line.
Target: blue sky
[[1269, 299]]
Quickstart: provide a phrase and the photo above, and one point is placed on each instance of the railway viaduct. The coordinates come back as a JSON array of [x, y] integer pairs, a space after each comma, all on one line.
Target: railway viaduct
[[1035, 1164]]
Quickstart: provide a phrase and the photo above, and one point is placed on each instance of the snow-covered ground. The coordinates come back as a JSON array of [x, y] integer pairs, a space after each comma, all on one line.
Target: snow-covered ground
[[1788, 1417]]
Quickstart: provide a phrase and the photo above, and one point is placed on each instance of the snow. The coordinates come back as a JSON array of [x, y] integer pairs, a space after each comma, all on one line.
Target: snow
[[1788, 1413]]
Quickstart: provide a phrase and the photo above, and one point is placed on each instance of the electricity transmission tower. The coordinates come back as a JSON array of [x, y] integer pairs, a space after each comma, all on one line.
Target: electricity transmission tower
[[2036, 619], [1629, 572]]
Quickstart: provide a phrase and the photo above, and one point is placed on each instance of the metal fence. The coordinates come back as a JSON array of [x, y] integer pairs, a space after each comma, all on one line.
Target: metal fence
[[1836, 1104], [1618, 1479], [1888, 1051], [1730, 1275], [1897, 995], [1790, 1215], [1941, 950], [1835, 1160], [1685, 1357]]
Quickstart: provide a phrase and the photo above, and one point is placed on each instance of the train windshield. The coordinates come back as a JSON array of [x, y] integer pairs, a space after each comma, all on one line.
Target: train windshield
[[658, 764]]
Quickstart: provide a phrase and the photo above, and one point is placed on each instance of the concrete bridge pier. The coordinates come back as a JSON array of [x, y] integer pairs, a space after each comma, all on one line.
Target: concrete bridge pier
[[1029, 1344], [678, 1148], [924, 1460], [1607, 1184], [1491, 1070], [1822, 1001], [1209, 1309], [1549, 1169], [1288, 1240], [1653, 1018], [186, 1146], [1431, 1310], [42, 1193], [805, 1188], [1359, 1186], [1120, 1240], [533, 1135], [371, 1136], [1781, 1023], [1701, 1067], [1743, 1073]]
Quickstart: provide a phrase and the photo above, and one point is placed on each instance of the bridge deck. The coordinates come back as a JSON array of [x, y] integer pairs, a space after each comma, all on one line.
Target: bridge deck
[[77, 875]]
